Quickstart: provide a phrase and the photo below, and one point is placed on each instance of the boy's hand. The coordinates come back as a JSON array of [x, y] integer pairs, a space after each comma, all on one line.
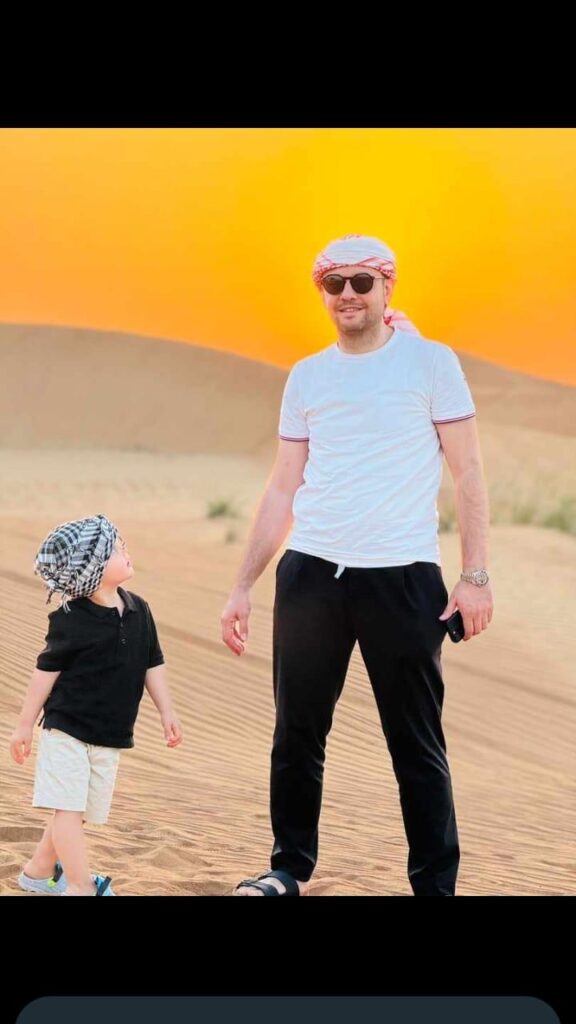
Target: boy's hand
[[21, 743], [172, 730]]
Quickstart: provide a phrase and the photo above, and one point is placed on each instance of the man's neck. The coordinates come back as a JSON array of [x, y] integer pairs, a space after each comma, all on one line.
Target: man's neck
[[365, 341]]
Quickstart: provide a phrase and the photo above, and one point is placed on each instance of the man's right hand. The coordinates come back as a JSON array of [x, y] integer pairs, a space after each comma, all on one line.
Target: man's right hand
[[234, 620]]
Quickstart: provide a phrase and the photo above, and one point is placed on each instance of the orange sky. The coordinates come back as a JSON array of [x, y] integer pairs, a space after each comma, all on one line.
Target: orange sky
[[208, 235]]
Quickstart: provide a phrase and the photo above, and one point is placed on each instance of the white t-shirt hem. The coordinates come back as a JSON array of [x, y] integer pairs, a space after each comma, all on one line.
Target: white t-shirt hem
[[358, 562]]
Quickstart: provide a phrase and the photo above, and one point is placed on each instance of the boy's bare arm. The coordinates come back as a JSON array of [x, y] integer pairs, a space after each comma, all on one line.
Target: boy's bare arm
[[39, 689], [157, 685]]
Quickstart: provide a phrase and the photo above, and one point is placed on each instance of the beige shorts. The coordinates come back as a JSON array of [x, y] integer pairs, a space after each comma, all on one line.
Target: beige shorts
[[75, 776]]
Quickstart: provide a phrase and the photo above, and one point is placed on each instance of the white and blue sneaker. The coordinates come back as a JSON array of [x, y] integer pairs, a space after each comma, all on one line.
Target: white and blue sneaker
[[103, 887], [53, 886]]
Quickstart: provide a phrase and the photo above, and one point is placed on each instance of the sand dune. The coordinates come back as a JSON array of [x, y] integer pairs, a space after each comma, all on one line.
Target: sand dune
[[91, 389], [195, 820], [72, 388]]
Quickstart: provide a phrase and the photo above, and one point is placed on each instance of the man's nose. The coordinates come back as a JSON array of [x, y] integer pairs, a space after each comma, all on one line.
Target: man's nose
[[348, 291]]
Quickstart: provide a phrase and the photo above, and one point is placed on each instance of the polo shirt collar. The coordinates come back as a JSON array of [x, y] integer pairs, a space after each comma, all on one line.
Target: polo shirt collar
[[102, 610]]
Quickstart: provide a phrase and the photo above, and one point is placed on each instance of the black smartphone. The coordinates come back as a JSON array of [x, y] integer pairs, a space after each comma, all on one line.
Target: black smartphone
[[455, 627]]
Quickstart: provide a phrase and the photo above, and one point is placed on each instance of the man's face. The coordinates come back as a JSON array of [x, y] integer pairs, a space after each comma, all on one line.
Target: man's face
[[353, 312]]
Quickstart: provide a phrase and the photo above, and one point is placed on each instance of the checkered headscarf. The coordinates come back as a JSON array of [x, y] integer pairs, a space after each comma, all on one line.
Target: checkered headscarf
[[73, 557], [362, 251]]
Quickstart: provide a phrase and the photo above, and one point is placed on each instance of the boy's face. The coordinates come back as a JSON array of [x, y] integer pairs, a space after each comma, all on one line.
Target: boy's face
[[119, 567]]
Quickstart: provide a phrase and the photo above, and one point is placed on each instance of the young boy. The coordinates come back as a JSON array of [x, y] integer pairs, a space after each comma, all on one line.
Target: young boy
[[101, 650]]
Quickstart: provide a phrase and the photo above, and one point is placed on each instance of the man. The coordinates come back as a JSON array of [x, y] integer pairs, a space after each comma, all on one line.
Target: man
[[364, 425]]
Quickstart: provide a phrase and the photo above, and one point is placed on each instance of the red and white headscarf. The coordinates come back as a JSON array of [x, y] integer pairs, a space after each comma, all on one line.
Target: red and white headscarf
[[362, 251]]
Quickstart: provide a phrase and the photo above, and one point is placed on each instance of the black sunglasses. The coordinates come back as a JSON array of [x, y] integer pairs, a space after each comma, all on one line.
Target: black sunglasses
[[335, 284]]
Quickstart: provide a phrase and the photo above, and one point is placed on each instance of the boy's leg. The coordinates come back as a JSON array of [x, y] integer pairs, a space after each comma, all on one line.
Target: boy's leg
[[70, 844], [62, 783], [103, 766], [43, 860]]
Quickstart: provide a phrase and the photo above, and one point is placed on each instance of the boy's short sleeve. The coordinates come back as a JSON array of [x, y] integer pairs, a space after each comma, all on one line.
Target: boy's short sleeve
[[155, 655], [58, 652]]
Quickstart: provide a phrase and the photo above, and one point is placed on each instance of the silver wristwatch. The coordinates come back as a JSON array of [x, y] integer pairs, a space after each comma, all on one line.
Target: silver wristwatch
[[479, 577]]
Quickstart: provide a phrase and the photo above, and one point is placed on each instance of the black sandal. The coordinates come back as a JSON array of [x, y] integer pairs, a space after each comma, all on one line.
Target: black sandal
[[291, 887]]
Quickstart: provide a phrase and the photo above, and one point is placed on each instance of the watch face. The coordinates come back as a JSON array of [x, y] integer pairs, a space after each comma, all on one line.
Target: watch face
[[481, 576]]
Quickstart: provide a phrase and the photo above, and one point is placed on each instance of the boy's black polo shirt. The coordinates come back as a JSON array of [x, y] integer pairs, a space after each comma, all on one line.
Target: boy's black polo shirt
[[102, 658]]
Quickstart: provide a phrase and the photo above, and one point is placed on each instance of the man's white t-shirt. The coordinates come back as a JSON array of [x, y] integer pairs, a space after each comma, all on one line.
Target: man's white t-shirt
[[369, 496]]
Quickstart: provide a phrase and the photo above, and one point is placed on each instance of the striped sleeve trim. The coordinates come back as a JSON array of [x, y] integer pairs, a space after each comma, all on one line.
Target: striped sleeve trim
[[455, 419], [284, 438]]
